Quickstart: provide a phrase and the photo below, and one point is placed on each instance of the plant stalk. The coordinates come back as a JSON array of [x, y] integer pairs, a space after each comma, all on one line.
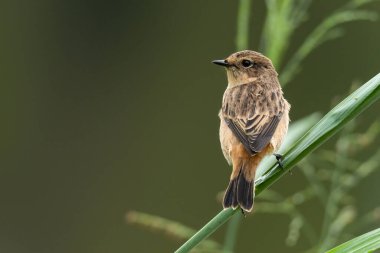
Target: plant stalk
[[242, 35]]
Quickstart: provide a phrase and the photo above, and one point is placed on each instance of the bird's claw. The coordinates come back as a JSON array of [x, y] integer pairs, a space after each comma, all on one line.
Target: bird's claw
[[279, 160]]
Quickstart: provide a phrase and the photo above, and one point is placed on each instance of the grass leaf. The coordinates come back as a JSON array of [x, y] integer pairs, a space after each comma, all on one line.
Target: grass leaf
[[242, 33], [364, 243]]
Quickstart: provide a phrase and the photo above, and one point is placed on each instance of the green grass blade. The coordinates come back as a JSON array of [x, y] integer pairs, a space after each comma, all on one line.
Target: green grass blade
[[283, 18], [349, 108], [231, 234], [207, 230], [364, 243], [243, 25]]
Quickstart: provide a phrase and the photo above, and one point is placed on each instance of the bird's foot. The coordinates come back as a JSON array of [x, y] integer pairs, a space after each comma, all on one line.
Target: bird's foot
[[279, 160]]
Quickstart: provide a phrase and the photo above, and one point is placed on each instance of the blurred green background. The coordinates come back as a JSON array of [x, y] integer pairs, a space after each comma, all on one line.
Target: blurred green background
[[110, 106]]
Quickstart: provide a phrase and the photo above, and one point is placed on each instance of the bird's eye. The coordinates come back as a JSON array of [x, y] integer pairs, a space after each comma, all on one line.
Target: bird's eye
[[246, 63]]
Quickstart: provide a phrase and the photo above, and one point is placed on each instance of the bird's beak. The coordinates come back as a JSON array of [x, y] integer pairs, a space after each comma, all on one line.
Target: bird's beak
[[223, 63]]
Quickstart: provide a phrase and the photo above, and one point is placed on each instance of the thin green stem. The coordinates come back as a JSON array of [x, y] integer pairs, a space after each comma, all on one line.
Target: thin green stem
[[231, 234], [242, 35], [207, 230], [283, 17]]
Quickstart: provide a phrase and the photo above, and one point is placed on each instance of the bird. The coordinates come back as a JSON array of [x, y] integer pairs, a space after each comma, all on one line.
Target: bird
[[254, 120]]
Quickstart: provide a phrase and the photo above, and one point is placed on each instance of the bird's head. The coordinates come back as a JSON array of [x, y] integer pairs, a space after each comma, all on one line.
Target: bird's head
[[246, 66]]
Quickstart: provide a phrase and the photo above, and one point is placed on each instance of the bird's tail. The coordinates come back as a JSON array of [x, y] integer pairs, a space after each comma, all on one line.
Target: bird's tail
[[240, 192]]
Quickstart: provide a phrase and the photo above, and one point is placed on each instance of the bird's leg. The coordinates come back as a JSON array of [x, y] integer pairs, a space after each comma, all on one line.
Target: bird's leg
[[279, 160]]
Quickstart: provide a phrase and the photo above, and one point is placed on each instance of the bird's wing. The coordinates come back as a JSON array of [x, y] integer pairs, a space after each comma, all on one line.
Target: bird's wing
[[255, 133], [252, 115]]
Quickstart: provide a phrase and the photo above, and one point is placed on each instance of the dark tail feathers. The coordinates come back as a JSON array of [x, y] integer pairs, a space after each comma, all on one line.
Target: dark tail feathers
[[239, 193]]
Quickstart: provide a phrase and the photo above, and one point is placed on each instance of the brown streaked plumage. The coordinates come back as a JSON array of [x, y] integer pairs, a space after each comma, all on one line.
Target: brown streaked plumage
[[254, 121]]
